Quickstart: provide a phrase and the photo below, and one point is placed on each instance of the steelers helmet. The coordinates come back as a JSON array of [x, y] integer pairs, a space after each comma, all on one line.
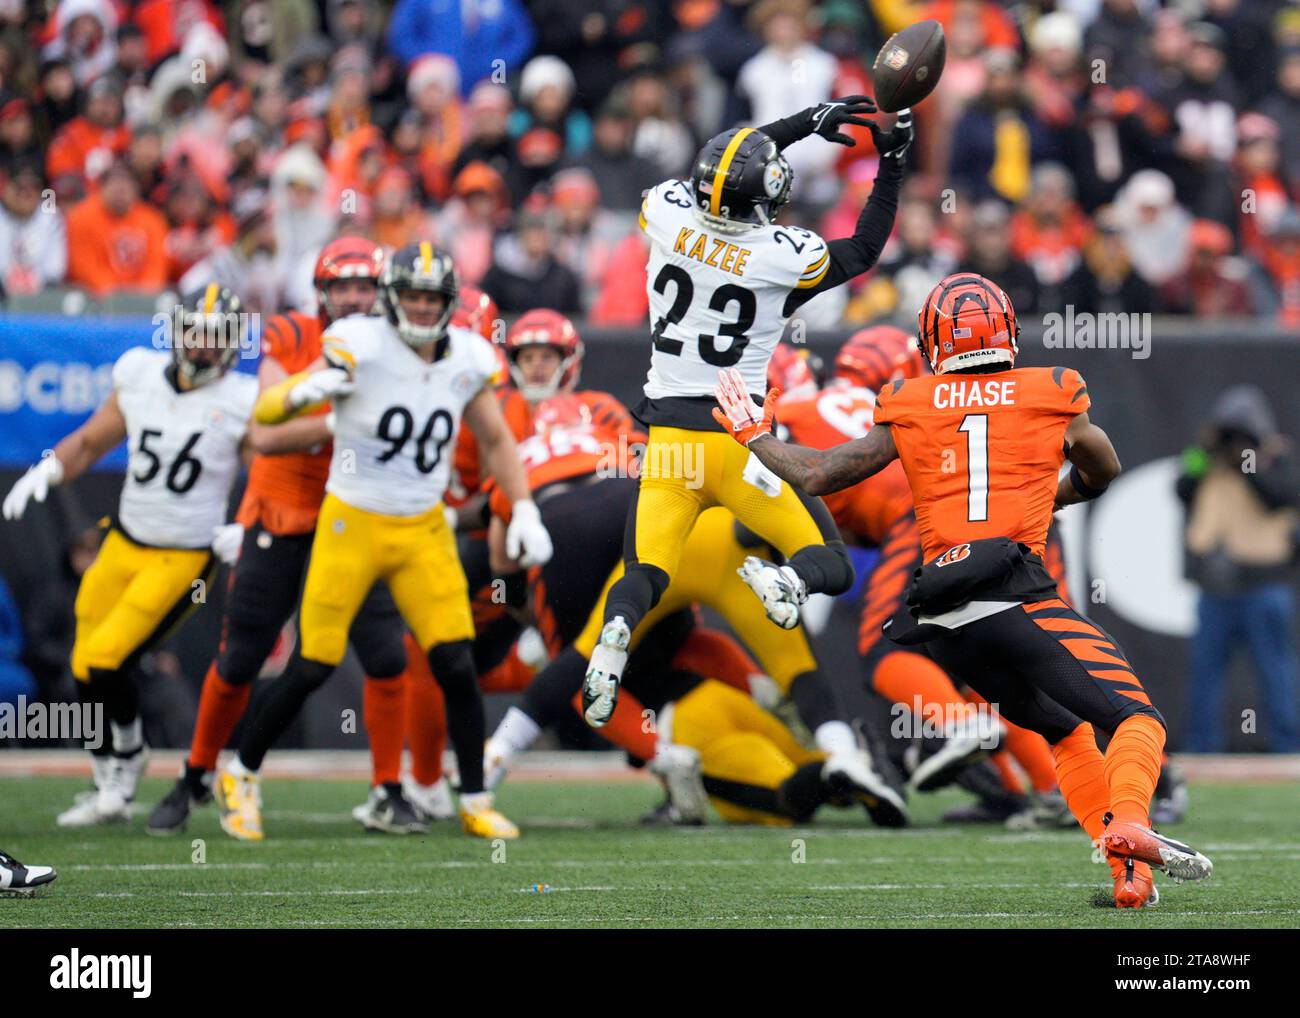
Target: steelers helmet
[[740, 180], [208, 334], [419, 266]]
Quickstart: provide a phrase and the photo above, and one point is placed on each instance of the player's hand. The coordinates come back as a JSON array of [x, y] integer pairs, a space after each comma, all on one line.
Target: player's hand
[[527, 539], [743, 419], [318, 387], [227, 539], [894, 143], [829, 117], [35, 484]]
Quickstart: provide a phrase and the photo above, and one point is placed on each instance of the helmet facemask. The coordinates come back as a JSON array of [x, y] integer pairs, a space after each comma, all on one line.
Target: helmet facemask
[[211, 336]]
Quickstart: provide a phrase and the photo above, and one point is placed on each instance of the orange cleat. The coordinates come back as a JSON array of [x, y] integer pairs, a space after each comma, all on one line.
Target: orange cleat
[[1134, 885], [1127, 840]]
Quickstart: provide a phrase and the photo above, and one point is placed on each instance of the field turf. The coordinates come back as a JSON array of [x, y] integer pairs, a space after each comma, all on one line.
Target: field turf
[[581, 840]]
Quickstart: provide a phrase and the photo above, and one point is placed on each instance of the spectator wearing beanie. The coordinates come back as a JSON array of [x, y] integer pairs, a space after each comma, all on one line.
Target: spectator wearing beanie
[[1049, 232], [85, 35], [1258, 181], [1154, 225], [546, 91], [116, 241], [433, 88]]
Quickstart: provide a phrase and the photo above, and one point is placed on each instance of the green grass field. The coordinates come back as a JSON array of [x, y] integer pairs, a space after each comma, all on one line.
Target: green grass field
[[319, 868]]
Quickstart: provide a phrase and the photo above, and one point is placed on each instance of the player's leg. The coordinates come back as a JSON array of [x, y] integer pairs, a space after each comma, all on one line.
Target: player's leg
[[424, 574], [675, 487], [426, 738], [378, 636], [340, 573], [796, 524], [148, 592], [260, 598]]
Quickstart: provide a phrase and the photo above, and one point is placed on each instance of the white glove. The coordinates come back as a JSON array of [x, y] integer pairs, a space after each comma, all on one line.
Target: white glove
[[35, 484], [227, 539], [320, 386], [527, 540]]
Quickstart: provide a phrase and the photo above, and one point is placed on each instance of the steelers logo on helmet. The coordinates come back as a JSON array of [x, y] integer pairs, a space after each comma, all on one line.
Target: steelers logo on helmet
[[420, 267], [774, 178]]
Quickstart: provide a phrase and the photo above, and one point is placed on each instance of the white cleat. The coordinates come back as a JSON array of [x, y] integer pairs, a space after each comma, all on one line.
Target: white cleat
[[679, 768], [25, 881], [852, 774], [116, 781], [433, 802], [388, 810], [964, 743], [778, 587], [600, 685]]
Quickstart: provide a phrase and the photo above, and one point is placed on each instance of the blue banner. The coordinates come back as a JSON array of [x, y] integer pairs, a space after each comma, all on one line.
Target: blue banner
[[54, 372]]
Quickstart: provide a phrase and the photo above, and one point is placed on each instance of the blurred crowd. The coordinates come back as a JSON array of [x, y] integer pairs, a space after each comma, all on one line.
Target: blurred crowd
[[1116, 155]]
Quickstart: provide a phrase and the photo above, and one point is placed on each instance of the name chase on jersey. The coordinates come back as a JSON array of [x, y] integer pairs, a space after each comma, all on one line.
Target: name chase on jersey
[[394, 435], [184, 449], [718, 300]]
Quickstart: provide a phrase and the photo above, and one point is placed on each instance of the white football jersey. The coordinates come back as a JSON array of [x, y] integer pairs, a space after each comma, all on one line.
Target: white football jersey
[[717, 300], [395, 434], [184, 449]]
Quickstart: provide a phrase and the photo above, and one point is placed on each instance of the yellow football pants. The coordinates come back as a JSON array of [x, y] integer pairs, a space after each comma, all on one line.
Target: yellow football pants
[[416, 557], [686, 472], [131, 597], [711, 555], [739, 743]]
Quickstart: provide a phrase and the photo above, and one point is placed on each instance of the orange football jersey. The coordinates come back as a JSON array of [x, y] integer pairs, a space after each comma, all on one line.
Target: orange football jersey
[[841, 413], [983, 452], [605, 439], [285, 492], [466, 479]]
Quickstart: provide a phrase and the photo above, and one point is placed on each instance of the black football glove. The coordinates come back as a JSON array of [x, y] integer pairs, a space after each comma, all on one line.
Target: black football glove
[[829, 117], [894, 143]]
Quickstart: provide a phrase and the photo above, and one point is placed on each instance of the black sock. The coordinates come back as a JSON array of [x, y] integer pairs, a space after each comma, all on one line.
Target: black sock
[[635, 593], [802, 792], [281, 705], [452, 665], [824, 568]]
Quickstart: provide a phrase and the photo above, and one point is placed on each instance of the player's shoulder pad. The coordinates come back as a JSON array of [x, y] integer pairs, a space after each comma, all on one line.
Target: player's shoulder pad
[[477, 352], [350, 341], [135, 364], [1068, 389], [661, 204], [283, 334], [802, 253], [242, 392]]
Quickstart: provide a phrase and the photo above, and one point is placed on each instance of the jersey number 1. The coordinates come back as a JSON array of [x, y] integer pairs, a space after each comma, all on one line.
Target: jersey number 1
[[976, 427]]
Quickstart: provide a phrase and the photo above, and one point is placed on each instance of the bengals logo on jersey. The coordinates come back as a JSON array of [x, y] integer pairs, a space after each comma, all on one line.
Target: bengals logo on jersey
[[953, 554]]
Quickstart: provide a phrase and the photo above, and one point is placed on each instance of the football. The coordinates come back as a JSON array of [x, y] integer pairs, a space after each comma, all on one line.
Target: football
[[908, 66]]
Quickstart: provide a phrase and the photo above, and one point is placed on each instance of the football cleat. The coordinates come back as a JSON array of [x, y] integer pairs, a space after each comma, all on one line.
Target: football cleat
[[679, 769], [433, 802], [388, 810], [939, 761], [852, 775], [239, 797], [778, 587], [172, 813], [1134, 885], [479, 818], [496, 764], [600, 685], [15, 878], [1047, 811], [1134, 841], [666, 815]]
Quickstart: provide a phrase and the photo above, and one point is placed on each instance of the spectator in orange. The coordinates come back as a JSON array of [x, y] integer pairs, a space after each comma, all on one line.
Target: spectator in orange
[[469, 222], [115, 240], [1212, 283], [999, 31], [433, 87], [349, 107], [1259, 183], [84, 147], [164, 22], [399, 220], [354, 168], [1050, 231], [1280, 262]]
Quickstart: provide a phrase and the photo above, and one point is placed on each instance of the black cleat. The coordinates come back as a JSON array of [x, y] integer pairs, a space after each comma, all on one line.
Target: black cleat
[[388, 810], [171, 815]]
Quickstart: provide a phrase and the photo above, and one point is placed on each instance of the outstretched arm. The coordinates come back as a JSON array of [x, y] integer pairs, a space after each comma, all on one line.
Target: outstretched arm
[[823, 471]]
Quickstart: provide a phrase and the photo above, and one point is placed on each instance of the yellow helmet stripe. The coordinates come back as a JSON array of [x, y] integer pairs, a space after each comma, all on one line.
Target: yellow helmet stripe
[[724, 164], [210, 297], [426, 256]]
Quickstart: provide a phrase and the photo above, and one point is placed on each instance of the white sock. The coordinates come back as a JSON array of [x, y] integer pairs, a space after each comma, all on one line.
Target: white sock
[[237, 768], [515, 734], [127, 738], [835, 737]]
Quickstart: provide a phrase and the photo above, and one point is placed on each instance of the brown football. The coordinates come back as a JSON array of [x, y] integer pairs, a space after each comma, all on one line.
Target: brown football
[[908, 66]]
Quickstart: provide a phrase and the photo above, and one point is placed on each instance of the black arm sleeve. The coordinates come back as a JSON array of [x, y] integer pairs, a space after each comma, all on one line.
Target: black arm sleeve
[[852, 256], [786, 132]]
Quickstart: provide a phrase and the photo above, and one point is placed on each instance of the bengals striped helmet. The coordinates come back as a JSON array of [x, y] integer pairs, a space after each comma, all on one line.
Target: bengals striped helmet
[[968, 320], [345, 258], [477, 312], [871, 357]]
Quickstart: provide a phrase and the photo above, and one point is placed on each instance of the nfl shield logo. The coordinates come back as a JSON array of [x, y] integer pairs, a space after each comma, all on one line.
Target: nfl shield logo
[[896, 59]]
